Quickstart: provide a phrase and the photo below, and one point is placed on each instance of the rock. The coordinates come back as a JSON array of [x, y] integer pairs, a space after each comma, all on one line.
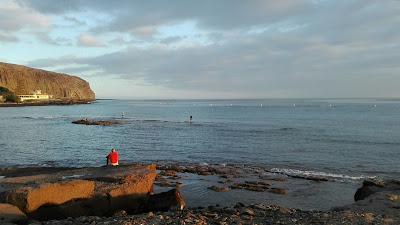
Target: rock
[[279, 191], [135, 187], [284, 210], [239, 205], [258, 186], [98, 191], [30, 199], [168, 173], [120, 213], [369, 217], [24, 80], [219, 189], [373, 186], [378, 197], [96, 122], [393, 197], [259, 206], [166, 201], [11, 214], [248, 211]]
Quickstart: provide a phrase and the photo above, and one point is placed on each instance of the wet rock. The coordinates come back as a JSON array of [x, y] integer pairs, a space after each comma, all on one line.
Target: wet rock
[[248, 211], [169, 173], [279, 191], [219, 189], [373, 186], [393, 197], [258, 186], [96, 122], [239, 205], [11, 214]]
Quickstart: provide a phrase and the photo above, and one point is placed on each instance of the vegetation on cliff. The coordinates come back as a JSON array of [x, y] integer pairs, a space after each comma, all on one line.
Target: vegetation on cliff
[[7, 95]]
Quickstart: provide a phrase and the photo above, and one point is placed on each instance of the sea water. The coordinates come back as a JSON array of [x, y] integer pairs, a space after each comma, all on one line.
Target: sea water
[[344, 139]]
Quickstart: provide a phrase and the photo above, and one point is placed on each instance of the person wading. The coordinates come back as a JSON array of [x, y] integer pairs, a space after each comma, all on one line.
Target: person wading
[[112, 158]]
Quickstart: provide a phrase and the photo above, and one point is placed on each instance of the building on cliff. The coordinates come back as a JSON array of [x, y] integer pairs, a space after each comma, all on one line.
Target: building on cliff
[[34, 96]]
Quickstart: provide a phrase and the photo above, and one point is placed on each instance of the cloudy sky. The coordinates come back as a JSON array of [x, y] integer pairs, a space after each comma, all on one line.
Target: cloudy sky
[[211, 48]]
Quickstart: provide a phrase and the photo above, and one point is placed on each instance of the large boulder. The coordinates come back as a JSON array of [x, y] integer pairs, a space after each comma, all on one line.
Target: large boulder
[[30, 199], [378, 197], [371, 187], [53, 194]]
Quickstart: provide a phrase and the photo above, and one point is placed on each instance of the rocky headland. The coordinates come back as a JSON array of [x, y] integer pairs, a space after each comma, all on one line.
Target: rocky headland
[[63, 88]]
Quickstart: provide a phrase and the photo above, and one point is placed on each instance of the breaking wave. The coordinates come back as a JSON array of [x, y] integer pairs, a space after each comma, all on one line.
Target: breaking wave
[[307, 174]]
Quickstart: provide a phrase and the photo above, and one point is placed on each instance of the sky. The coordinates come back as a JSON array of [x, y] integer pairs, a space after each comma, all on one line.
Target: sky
[[187, 49]]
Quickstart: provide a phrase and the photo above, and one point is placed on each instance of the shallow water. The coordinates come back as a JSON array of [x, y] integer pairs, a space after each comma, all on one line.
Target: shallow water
[[349, 139]]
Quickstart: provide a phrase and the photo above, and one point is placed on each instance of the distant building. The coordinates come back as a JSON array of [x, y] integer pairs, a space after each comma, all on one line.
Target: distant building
[[35, 96], [1, 98]]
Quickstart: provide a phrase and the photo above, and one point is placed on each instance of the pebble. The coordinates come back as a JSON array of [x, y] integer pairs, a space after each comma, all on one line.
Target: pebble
[[248, 211]]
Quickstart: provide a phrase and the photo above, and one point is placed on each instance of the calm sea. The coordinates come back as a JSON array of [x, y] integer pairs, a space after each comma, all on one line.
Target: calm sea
[[337, 138]]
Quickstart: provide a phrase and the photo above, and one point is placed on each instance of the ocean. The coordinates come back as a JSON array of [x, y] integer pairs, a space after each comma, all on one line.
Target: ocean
[[343, 139]]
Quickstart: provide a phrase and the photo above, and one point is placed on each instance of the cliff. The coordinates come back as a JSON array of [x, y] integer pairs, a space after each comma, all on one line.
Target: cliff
[[24, 80]]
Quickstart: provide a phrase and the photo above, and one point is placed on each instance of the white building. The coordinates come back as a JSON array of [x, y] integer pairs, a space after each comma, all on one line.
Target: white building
[[35, 96]]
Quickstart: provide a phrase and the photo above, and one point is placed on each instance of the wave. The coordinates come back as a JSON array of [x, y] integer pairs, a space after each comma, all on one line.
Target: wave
[[355, 142], [319, 175]]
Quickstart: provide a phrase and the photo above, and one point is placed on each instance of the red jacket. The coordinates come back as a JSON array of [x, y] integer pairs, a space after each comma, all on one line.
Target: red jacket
[[113, 157]]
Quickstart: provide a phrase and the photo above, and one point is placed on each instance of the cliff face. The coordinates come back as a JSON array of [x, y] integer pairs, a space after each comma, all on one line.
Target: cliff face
[[24, 80]]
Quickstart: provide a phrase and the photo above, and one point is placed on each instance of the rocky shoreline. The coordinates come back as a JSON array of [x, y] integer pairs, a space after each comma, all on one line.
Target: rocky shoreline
[[47, 103], [376, 201], [239, 214]]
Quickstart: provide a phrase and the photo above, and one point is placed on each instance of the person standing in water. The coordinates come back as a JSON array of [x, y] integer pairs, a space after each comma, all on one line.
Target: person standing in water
[[112, 158], [190, 119]]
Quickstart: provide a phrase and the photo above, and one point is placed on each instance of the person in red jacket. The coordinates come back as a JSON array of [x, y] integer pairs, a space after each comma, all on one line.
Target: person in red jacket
[[112, 158]]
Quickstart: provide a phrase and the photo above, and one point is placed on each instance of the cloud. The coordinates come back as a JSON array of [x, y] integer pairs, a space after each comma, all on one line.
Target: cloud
[[286, 67], [14, 17], [87, 40], [8, 38], [262, 48]]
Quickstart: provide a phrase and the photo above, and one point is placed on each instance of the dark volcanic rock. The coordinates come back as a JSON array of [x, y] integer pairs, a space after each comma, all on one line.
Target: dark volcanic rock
[[370, 187], [96, 122], [166, 201], [219, 189], [378, 197], [258, 186], [279, 191]]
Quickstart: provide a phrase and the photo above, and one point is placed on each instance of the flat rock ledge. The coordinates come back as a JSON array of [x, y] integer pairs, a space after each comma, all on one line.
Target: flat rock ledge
[[67, 193], [96, 122]]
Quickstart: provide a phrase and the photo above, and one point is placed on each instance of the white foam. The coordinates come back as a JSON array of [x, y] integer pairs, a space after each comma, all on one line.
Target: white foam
[[310, 173], [72, 176]]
